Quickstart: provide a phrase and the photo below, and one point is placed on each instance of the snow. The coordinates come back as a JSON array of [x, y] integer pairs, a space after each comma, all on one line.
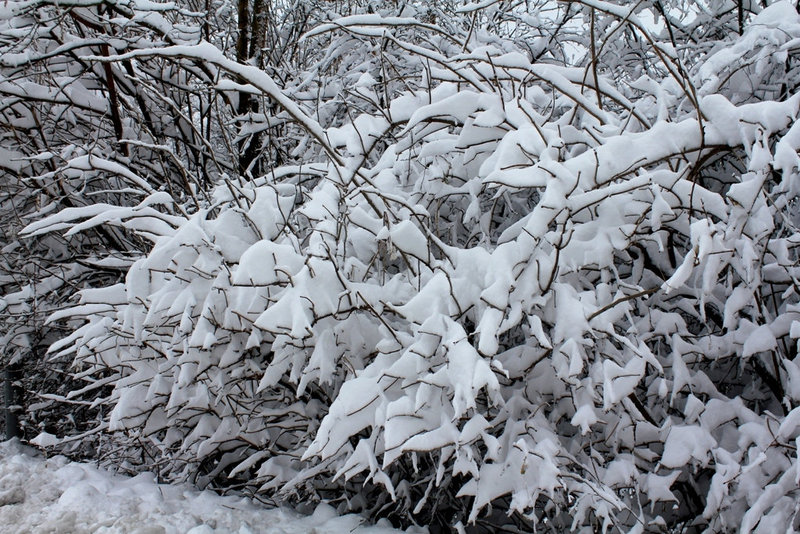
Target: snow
[[686, 442], [361, 20], [777, 14], [59, 496], [760, 340]]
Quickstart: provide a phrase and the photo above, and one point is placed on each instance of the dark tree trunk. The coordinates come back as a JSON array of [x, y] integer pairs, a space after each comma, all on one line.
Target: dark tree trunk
[[249, 48], [12, 398], [740, 15]]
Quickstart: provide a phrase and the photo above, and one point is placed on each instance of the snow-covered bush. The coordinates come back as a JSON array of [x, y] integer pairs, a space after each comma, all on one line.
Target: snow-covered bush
[[497, 274], [77, 135]]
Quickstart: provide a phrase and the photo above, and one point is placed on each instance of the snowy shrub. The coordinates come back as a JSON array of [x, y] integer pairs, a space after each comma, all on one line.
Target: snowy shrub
[[482, 281], [81, 136]]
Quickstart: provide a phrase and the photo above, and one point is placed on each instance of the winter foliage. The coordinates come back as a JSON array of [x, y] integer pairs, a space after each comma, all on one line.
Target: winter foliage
[[522, 264]]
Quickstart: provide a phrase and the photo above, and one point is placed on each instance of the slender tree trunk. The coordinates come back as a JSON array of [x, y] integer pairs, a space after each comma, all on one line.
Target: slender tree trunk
[[243, 12], [12, 398], [740, 15], [259, 35], [249, 48]]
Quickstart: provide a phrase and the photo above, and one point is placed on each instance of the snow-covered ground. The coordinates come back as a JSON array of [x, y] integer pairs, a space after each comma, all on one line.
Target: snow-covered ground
[[54, 495]]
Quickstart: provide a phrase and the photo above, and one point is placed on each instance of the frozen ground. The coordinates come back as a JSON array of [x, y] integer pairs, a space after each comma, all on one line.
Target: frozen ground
[[54, 495]]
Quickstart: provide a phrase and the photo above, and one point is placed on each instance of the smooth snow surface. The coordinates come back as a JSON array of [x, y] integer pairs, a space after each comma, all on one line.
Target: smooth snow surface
[[55, 495]]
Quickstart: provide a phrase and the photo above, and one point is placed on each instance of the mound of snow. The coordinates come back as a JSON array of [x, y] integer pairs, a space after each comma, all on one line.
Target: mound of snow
[[55, 495]]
